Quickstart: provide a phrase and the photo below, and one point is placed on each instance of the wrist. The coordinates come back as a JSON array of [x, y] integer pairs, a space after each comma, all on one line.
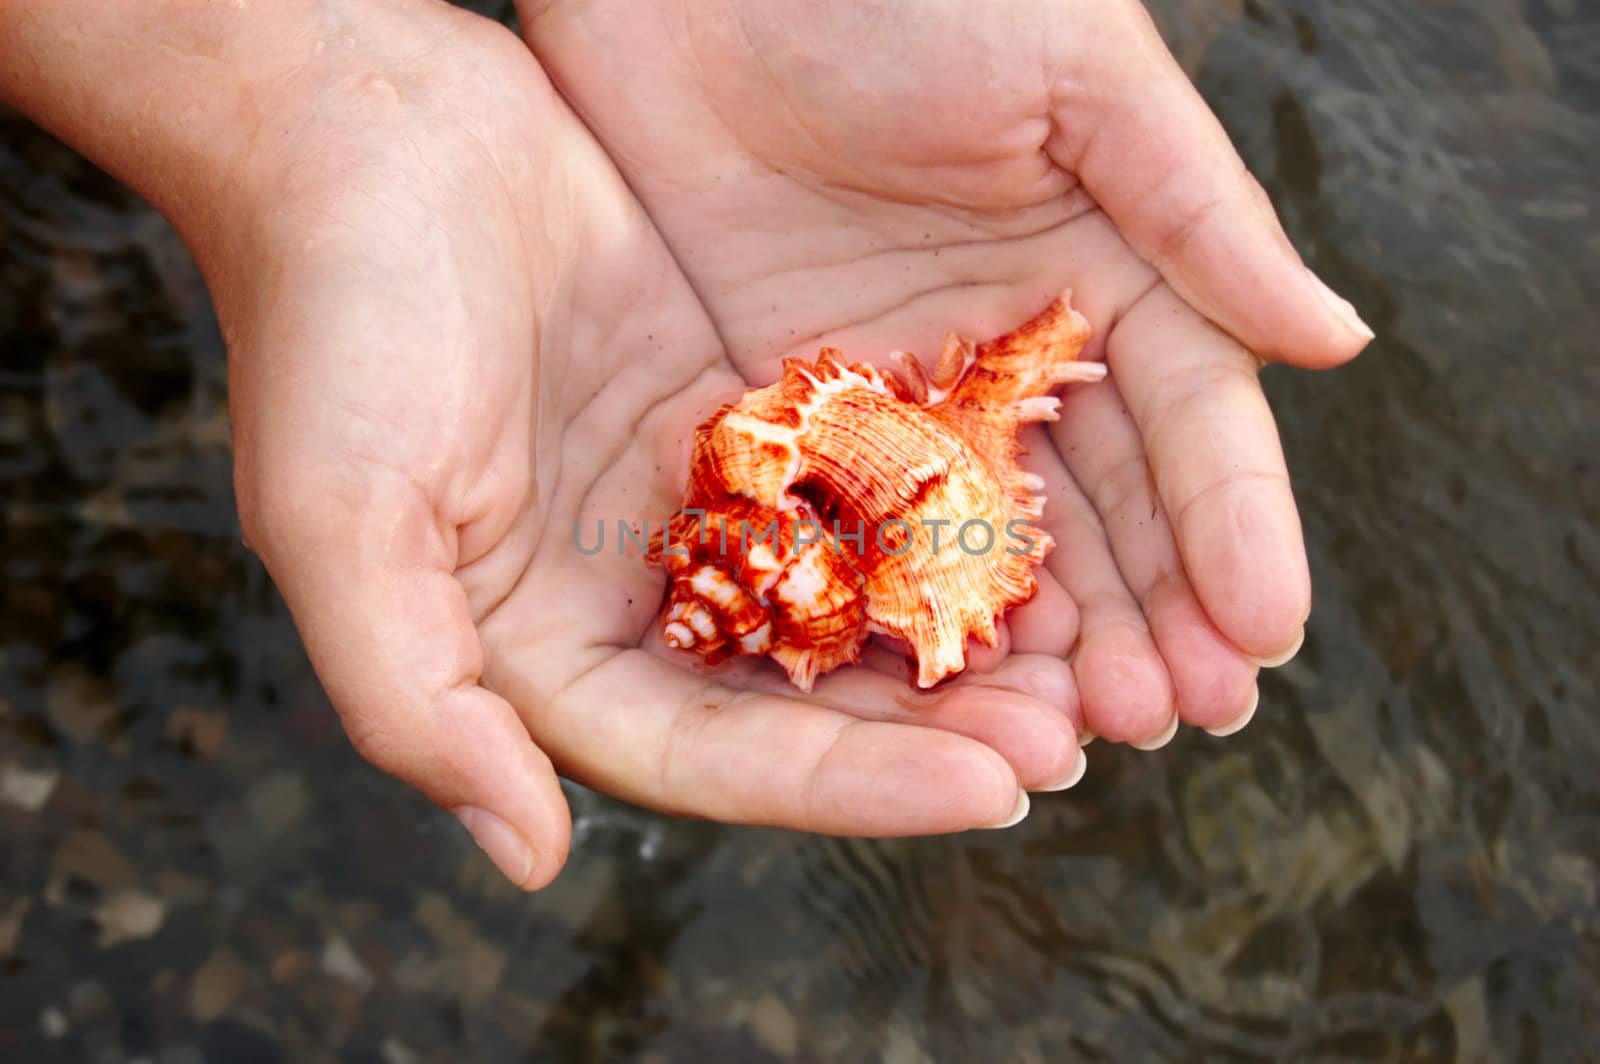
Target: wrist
[[202, 107]]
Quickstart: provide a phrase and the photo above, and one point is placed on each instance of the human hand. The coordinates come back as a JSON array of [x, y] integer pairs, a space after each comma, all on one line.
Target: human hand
[[452, 334], [867, 175]]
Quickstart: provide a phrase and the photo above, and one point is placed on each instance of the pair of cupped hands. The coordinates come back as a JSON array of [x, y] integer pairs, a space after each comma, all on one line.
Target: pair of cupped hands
[[494, 283]]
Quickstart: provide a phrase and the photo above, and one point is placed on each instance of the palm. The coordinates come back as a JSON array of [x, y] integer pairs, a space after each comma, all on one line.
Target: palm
[[804, 194], [868, 177]]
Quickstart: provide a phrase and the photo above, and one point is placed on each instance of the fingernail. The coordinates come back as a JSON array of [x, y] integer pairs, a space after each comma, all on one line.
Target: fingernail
[[1284, 658], [1085, 737], [1343, 308], [1161, 740], [1238, 723], [503, 843], [1073, 778], [1017, 814]]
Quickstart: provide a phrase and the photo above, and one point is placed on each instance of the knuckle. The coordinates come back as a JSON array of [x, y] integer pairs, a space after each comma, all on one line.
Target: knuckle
[[1188, 220], [1126, 484], [375, 745], [1198, 391]]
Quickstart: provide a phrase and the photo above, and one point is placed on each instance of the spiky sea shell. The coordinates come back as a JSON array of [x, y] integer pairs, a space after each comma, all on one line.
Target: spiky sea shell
[[845, 500]]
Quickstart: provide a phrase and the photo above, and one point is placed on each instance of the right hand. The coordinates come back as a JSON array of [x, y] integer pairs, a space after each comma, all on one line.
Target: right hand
[[869, 174]]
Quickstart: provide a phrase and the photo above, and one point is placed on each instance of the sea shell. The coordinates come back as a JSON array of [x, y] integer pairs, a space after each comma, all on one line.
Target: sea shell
[[845, 500]]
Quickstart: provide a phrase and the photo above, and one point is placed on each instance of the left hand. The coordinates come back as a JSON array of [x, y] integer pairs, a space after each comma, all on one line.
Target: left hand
[[869, 175]]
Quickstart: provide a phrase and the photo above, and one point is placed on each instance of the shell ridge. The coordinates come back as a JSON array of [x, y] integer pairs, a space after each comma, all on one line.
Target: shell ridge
[[1025, 364]]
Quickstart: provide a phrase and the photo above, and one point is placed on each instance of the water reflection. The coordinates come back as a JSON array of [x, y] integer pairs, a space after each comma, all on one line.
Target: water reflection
[[1397, 860]]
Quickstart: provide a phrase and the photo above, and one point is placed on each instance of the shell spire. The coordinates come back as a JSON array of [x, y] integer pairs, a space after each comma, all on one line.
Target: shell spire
[[857, 500]]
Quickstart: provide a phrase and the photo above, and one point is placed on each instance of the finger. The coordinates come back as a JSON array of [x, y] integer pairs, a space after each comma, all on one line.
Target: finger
[[1214, 681], [645, 730], [1130, 124], [1046, 624], [1126, 693], [366, 570], [894, 654], [985, 659], [1218, 467], [1025, 708]]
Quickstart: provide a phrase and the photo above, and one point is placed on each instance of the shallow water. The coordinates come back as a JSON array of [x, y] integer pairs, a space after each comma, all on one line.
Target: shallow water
[[1397, 860]]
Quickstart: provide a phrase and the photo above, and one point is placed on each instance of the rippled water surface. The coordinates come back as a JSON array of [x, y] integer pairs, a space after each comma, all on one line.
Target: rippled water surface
[[1397, 860]]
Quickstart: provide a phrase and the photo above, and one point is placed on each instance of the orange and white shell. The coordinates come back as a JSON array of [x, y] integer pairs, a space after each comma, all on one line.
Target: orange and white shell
[[844, 500]]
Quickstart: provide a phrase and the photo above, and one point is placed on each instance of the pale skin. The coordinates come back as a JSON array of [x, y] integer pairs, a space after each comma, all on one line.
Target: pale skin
[[453, 331]]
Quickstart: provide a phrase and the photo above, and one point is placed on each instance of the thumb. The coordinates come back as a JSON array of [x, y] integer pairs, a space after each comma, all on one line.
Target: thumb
[[1133, 129], [367, 571]]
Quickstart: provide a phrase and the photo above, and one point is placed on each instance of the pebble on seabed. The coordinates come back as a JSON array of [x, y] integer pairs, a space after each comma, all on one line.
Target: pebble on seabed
[[11, 916], [27, 789], [216, 984], [340, 961], [52, 1022], [197, 730], [129, 915]]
